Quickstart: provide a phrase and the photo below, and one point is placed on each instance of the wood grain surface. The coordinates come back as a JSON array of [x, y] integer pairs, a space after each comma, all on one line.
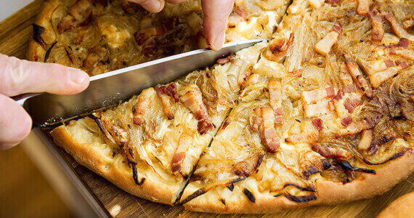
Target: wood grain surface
[[14, 35]]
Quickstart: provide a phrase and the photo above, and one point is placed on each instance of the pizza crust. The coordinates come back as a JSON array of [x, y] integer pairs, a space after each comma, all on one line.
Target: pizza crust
[[328, 192], [97, 162], [402, 207]]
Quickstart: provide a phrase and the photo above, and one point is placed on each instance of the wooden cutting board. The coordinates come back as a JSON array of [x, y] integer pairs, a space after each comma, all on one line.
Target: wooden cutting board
[[14, 35]]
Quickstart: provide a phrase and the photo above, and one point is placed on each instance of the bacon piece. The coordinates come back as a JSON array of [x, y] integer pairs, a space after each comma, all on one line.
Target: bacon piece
[[403, 52], [278, 48], [357, 127], [356, 73], [226, 59], [166, 93], [331, 152], [318, 124], [403, 43], [377, 32], [324, 45], [269, 135], [142, 105], [344, 75], [389, 63], [77, 14], [279, 116], [318, 109], [180, 153], [366, 140], [351, 104], [310, 97], [242, 13], [363, 7], [346, 121], [95, 55], [275, 93], [193, 100], [378, 78], [247, 167], [397, 28]]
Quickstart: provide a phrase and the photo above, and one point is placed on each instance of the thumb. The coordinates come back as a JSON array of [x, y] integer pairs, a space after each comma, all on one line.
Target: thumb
[[216, 13], [20, 76]]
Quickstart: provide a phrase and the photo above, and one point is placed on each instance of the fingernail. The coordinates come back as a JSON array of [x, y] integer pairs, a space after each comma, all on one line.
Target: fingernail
[[154, 6], [78, 77], [218, 42]]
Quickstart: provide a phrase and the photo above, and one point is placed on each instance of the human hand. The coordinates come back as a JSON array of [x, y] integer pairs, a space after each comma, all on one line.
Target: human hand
[[18, 77], [216, 13]]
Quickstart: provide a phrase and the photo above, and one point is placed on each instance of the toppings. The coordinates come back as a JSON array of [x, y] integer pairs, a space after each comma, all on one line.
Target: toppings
[[316, 3], [78, 14], [180, 153], [95, 55], [314, 96], [403, 52], [226, 59], [119, 137], [324, 45], [408, 22], [366, 140], [318, 109], [193, 100], [377, 32], [407, 110], [246, 167], [278, 48], [166, 93], [142, 36], [301, 199], [397, 28], [37, 35], [142, 105], [356, 73], [332, 152], [358, 126], [249, 195], [350, 105], [363, 7], [318, 124], [268, 133], [347, 167], [346, 121], [275, 94]]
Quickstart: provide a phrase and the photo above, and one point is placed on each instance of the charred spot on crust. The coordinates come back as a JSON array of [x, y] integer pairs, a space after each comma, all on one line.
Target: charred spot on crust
[[135, 174], [194, 195], [395, 156], [249, 195], [348, 167], [231, 187], [277, 195], [326, 165], [301, 199], [223, 201], [400, 117], [99, 123], [48, 52], [310, 171], [309, 189], [37, 35]]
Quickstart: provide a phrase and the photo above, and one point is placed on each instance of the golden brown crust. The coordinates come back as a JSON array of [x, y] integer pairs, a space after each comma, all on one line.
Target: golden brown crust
[[402, 207], [328, 192], [98, 163]]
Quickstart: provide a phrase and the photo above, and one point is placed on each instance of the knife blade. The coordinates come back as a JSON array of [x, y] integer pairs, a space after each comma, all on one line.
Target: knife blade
[[113, 87]]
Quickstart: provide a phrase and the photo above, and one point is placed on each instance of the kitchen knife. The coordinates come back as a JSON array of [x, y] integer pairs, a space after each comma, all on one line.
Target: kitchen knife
[[113, 87]]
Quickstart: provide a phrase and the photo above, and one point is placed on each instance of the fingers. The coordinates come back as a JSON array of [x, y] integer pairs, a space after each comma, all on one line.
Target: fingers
[[20, 76], [153, 6], [15, 123], [216, 13]]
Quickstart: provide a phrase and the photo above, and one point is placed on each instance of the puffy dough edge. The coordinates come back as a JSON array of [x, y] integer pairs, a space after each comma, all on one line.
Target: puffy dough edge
[[402, 207], [328, 192], [96, 162], [35, 52]]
